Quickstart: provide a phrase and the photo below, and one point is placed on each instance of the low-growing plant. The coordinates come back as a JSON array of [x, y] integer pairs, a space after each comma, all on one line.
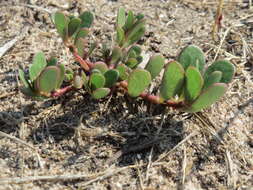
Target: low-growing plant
[[187, 83]]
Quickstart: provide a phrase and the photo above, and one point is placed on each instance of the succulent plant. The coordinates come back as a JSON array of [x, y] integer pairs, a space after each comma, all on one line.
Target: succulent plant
[[44, 77], [187, 83]]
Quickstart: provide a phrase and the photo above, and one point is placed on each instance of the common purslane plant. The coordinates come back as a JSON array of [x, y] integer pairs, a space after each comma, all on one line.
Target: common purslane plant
[[187, 83]]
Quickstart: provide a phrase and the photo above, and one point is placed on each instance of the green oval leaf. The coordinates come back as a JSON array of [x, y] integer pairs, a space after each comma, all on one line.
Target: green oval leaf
[[82, 33], [48, 80], [111, 77], [100, 93], [61, 75], [192, 55], [214, 77], [61, 24], [39, 63], [172, 82], [138, 81], [121, 17], [123, 71], [136, 49], [132, 63], [23, 78], [224, 66], [207, 97], [155, 65], [80, 45], [97, 80], [116, 55], [52, 61], [87, 19], [194, 83], [73, 26], [101, 66]]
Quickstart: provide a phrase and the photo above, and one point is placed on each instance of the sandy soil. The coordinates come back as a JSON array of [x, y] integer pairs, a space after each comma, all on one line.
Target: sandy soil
[[74, 142]]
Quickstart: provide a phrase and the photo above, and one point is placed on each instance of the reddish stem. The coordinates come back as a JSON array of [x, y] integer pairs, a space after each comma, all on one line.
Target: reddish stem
[[152, 98], [82, 62], [87, 66], [61, 91]]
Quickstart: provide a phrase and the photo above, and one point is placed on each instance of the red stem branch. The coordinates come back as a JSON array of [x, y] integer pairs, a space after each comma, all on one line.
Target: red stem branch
[[61, 91]]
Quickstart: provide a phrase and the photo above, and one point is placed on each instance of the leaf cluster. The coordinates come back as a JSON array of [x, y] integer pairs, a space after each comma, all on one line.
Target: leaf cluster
[[187, 83]]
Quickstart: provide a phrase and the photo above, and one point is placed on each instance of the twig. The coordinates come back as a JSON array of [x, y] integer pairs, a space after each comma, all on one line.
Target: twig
[[162, 156], [15, 180], [97, 177], [27, 5], [10, 44], [218, 18], [184, 163], [16, 139], [231, 182], [221, 42], [35, 7]]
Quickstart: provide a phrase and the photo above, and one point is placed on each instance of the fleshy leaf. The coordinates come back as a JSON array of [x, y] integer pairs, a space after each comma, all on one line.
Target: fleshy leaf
[[69, 74], [52, 61], [155, 65], [73, 26], [207, 97], [84, 78], [138, 81], [123, 71], [223, 66], [23, 78], [214, 77], [192, 55], [31, 93], [97, 80], [61, 24], [80, 45], [101, 66], [87, 19], [82, 33], [135, 49], [111, 77], [116, 55], [121, 17], [39, 63], [135, 34], [100, 93], [172, 82], [129, 21], [120, 36], [61, 75], [48, 79], [96, 71], [139, 16], [194, 83], [132, 63]]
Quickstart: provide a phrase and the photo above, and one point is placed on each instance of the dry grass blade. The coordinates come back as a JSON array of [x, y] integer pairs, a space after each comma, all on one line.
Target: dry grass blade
[[16, 139], [11, 43], [17, 180]]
